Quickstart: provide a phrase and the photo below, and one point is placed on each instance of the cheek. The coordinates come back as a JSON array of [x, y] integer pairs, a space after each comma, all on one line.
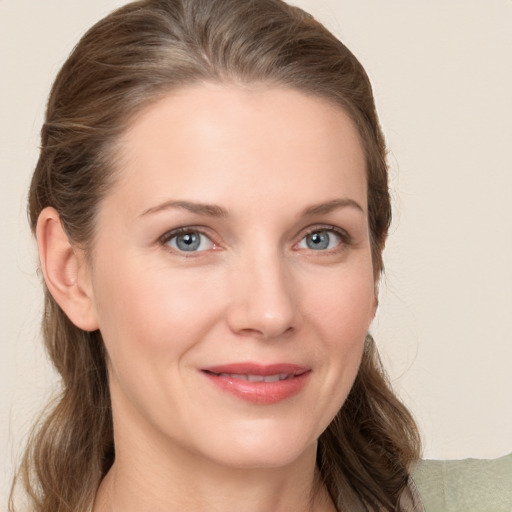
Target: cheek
[[341, 314], [152, 309], [344, 306], [149, 321]]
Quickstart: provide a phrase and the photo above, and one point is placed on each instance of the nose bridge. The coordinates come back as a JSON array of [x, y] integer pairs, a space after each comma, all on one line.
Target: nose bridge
[[262, 302]]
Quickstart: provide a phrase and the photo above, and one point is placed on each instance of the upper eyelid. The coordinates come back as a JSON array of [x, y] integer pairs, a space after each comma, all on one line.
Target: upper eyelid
[[346, 239], [324, 227], [163, 241], [168, 235]]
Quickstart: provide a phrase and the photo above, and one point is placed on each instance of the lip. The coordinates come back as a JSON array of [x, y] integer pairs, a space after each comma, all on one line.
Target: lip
[[278, 381]]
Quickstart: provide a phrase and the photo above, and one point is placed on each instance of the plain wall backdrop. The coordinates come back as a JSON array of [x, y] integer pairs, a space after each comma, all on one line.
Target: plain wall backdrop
[[442, 76]]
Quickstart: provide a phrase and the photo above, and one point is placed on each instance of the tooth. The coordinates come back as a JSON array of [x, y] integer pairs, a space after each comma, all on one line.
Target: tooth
[[255, 378], [238, 376]]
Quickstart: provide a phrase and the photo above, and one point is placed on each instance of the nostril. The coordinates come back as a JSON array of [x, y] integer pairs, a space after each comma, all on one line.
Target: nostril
[[266, 333]]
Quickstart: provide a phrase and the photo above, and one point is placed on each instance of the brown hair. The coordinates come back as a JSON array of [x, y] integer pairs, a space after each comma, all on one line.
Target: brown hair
[[125, 62]]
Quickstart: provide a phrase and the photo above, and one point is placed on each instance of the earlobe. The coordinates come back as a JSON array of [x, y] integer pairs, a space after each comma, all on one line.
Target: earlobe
[[64, 271]]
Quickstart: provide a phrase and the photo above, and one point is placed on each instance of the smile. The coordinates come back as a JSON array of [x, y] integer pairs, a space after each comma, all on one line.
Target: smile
[[258, 378], [259, 384]]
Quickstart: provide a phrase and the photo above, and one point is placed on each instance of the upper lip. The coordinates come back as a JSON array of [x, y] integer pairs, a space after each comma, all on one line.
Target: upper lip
[[258, 369]]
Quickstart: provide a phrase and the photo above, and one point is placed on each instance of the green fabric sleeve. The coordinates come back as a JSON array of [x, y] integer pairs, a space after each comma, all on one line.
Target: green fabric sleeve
[[470, 485]]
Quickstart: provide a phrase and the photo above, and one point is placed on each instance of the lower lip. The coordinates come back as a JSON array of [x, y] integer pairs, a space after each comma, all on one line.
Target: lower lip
[[264, 393]]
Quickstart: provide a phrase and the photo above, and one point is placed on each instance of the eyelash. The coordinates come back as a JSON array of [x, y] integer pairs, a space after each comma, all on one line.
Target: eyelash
[[346, 239], [169, 235]]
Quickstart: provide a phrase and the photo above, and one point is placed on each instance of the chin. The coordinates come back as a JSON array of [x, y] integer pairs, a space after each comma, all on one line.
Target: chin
[[272, 458], [260, 446]]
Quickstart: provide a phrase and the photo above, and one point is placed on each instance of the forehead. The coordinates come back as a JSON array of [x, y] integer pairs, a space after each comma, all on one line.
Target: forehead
[[233, 143]]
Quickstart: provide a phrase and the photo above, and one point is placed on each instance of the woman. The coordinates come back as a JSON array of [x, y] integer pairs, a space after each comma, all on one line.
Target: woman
[[210, 321]]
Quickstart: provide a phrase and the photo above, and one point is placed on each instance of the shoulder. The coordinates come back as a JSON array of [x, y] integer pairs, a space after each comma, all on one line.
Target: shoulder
[[469, 485]]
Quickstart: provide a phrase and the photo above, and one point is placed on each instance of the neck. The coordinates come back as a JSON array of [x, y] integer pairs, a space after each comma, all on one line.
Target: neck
[[146, 483]]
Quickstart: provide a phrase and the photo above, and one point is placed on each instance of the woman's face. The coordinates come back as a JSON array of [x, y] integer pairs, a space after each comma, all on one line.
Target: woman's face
[[231, 274]]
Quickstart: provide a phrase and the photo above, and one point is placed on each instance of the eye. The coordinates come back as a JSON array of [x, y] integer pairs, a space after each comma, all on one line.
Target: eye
[[321, 240], [187, 240]]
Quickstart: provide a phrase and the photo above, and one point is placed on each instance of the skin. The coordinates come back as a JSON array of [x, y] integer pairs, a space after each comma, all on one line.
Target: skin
[[276, 164]]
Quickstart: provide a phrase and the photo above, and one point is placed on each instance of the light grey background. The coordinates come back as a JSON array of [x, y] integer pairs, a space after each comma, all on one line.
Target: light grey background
[[442, 75]]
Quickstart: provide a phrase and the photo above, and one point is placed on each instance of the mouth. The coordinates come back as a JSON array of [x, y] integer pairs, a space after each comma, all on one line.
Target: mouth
[[255, 378], [259, 384]]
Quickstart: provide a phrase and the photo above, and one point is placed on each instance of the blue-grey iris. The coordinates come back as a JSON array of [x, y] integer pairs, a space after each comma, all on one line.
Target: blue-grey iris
[[318, 240], [188, 241]]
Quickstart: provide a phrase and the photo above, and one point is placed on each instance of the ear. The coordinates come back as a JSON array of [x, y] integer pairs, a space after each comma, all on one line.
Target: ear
[[65, 271]]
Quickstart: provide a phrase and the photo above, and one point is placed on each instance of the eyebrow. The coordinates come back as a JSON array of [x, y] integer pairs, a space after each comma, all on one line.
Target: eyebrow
[[212, 210], [209, 210], [329, 206]]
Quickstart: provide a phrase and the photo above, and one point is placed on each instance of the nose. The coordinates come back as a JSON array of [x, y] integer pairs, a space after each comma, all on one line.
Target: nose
[[262, 300]]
